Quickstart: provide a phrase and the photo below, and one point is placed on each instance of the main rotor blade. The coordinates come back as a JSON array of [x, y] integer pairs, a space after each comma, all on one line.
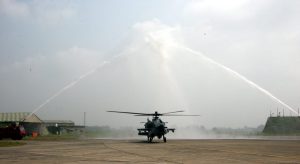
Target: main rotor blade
[[173, 112], [114, 111], [181, 115], [154, 114], [147, 114]]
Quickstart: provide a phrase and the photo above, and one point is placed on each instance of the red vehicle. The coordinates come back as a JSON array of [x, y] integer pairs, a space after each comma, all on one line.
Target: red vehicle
[[13, 131]]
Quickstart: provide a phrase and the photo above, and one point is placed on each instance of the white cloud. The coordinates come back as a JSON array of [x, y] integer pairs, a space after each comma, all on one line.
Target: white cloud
[[159, 35], [73, 61], [234, 8], [14, 8], [52, 12], [44, 12]]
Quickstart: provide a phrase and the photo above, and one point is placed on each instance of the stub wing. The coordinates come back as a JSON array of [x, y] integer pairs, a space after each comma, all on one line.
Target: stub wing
[[171, 129], [143, 131]]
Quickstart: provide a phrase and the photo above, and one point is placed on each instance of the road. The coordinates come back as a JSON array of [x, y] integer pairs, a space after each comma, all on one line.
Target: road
[[138, 151]]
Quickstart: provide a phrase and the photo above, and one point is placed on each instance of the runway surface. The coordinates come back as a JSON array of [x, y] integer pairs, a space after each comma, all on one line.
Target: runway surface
[[139, 151]]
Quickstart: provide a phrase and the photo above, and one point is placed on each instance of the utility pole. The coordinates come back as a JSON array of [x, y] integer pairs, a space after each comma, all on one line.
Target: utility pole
[[277, 111], [282, 112], [84, 115]]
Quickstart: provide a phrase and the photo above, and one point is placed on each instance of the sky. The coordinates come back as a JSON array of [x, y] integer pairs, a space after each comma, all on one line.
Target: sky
[[63, 58]]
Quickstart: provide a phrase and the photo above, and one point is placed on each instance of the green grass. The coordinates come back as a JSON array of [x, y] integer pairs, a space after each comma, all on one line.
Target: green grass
[[11, 143]]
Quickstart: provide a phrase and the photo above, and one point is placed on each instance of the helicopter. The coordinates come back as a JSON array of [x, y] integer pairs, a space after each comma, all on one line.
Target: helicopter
[[156, 127]]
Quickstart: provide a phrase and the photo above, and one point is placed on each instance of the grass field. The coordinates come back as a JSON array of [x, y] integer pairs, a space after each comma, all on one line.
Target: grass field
[[5, 143]]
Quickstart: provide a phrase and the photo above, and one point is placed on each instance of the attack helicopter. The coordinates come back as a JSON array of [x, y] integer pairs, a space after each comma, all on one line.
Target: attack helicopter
[[156, 127]]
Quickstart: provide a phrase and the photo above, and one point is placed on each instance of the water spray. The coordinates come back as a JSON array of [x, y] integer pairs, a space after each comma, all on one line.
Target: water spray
[[73, 83], [238, 75], [162, 48], [70, 85], [172, 43]]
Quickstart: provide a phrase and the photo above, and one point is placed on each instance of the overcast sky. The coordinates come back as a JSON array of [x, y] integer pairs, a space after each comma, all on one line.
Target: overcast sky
[[93, 56]]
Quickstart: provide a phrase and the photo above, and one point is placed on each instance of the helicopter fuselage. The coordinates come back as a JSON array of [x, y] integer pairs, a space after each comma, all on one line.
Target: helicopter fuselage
[[155, 128]]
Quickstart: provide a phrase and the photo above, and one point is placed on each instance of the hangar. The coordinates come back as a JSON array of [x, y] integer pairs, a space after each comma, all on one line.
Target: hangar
[[32, 123]]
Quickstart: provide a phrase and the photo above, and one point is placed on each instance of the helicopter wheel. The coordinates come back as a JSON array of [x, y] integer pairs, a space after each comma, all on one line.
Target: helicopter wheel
[[150, 139], [165, 139]]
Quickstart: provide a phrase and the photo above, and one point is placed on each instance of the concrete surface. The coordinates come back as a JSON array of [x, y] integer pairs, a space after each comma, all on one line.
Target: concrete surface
[[139, 151]]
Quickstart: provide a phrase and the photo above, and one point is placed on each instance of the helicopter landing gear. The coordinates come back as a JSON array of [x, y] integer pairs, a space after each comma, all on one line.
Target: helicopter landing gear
[[165, 139], [150, 139]]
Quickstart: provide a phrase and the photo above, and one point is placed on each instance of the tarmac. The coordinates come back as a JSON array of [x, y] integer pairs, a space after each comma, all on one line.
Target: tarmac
[[139, 151]]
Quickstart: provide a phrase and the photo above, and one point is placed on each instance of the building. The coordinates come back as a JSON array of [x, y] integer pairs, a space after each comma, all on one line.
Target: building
[[61, 123], [62, 126], [32, 123], [282, 125]]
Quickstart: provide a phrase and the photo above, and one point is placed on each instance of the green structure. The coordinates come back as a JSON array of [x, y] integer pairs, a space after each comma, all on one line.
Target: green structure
[[282, 126]]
